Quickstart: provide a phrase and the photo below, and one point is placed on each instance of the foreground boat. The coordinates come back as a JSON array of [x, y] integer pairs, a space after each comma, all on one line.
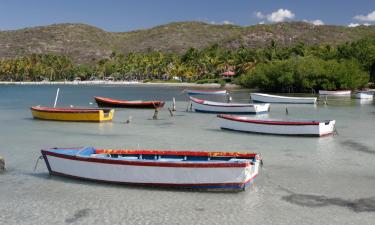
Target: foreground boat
[[260, 97], [72, 114], [206, 92], [109, 102], [335, 93], [200, 105], [182, 169], [364, 95], [280, 127]]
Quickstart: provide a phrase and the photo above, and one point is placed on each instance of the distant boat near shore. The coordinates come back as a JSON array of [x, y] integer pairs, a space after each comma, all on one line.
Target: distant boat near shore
[[109, 102], [260, 97], [277, 126], [200, 105], [72, 114], [364, 95], [230, 171], [335, 93], [206, 92]]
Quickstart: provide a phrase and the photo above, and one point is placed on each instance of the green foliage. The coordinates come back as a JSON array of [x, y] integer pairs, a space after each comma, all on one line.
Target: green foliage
[[274, 68]]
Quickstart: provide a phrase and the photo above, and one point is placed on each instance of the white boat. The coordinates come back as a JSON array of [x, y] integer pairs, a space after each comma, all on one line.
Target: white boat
[[182, 169], [364, 95], [277, 126], [200, 105], [335, 93], [206, 92], [260, 97]]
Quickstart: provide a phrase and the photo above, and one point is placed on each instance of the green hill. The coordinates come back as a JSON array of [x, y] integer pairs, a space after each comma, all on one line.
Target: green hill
[[85, 44]]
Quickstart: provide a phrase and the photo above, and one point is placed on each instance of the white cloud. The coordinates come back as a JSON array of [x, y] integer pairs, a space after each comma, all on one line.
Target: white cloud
[[315, 22], [227, 22], [358, 24], [280, 15], [261, 22], [369, 17], [277, 16], [260, 15]]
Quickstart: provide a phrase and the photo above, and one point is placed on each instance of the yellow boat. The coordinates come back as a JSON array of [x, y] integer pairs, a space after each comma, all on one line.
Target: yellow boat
[[72, 114]]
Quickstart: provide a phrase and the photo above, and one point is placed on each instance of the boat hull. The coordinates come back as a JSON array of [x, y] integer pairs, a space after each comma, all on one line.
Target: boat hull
[[73, 115], [206, 92], [160, 174], [259, 97], [277, 127], [335, 93], [364, 95], [200, 105], [113, 103]]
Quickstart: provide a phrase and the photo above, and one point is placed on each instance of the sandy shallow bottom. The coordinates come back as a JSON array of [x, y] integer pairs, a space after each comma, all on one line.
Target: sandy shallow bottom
[[326, 180]]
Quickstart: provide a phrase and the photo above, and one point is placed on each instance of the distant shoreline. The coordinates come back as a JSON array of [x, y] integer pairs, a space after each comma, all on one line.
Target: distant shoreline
[[124, 83]]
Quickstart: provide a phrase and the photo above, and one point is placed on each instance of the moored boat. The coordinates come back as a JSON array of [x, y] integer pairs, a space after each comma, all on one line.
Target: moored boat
[[364, 95], [206, 92], [109, 102], [260, 97], [278, 126], [200, 105], [72, 114], [335, 93], [181, 169]]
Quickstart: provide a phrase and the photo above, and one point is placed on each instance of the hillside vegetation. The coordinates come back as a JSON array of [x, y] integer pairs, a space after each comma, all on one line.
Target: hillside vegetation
[[87, 44], [289, 57]]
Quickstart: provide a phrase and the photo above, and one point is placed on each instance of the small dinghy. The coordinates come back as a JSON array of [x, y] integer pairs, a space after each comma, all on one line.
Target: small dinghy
[[206, 92], [364, 95], [72, 114], [335, 93], [200, 105], [231, 171], [109, 102], [275, 126], [260, 97]]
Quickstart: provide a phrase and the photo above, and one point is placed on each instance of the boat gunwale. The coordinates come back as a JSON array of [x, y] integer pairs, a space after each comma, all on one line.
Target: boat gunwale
[[70, 110], [127, 103], [284, 97], [234, 105], [273, 122], [190, 164]]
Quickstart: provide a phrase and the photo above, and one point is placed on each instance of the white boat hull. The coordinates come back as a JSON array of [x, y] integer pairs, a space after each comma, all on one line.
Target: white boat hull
[[186, 175], [364, 95], [320, 129], [335, 93], [206, 92], [259, 97], [235, 108]]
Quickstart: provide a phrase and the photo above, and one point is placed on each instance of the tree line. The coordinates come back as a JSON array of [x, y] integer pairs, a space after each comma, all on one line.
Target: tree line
[[274, 68]]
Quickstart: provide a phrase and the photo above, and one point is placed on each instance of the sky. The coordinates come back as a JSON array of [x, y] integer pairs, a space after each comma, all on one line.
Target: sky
[[127, 15]]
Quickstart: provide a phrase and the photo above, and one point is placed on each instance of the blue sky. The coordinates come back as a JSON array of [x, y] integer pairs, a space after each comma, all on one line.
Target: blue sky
[[125, 15]]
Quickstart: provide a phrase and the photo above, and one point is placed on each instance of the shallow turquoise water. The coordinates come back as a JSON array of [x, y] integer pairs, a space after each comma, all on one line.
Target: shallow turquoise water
[[327, 180]]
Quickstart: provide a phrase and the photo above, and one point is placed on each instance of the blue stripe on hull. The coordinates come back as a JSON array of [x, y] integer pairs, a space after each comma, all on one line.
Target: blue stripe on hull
[[218, 112]]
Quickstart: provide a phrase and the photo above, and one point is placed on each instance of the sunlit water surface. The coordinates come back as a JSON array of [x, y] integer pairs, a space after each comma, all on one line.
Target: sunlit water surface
[[328, 180]]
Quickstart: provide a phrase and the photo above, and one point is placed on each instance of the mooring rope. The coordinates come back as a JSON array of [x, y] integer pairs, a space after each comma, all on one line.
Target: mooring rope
[[37, 161]]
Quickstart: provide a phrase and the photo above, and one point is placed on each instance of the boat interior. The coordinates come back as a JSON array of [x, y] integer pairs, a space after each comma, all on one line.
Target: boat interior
[[167, 156]]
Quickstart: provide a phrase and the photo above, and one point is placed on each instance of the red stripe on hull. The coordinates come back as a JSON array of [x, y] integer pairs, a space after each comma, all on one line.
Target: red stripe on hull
[[266, 122], [154, 164]]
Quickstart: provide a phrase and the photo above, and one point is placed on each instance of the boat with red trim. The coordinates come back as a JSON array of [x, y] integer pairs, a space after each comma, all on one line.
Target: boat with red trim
[[232, 171], [72, 114], [200, 105], [278, 126], [206, 92], [109, 102]]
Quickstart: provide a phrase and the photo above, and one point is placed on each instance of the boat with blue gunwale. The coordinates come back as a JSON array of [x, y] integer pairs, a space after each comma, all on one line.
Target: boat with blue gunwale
[[231, 171], [200, 105]]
